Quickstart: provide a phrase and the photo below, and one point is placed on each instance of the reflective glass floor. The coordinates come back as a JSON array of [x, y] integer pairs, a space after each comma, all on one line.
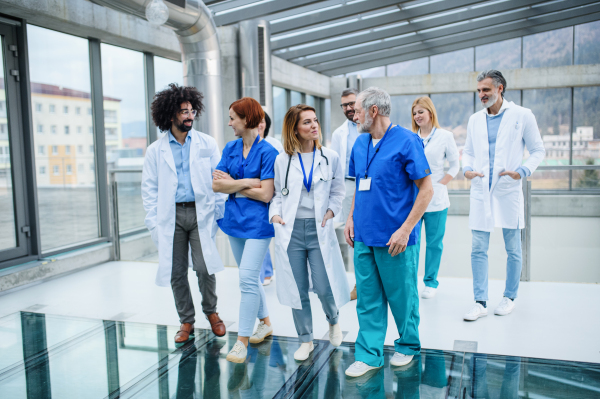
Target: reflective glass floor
[[45, 356]]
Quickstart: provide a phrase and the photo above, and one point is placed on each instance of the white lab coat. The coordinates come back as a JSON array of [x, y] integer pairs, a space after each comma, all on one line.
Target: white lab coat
[[339, 144], [275, 143], [502, 205], [159, 185], [441, 147], [328, 194]]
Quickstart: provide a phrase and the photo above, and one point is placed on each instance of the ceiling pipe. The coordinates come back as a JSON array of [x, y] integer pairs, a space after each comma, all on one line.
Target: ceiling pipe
[[200, 52]]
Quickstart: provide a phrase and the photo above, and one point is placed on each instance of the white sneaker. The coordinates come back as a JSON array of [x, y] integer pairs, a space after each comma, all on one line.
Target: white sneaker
[[304, 351], [268, 280], [428, 292], [335, 335], [238, 353], [476, 312], [505, 307], [357, 369], [400, 359], [262, 332]]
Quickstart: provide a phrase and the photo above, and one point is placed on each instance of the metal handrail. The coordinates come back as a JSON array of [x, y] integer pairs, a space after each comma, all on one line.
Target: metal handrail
[[116, 253], [569, 167]]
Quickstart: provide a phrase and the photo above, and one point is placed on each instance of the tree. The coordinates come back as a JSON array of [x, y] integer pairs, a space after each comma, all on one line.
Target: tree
[[590, 177]]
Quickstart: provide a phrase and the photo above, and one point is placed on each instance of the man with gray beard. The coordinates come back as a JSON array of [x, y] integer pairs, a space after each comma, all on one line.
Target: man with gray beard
[[493, 161]]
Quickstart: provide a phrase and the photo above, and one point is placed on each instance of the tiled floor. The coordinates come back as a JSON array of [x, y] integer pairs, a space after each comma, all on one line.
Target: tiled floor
[[552, 320]]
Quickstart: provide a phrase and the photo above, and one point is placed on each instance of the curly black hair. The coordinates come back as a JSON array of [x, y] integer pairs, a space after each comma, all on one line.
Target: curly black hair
[[167, 104]]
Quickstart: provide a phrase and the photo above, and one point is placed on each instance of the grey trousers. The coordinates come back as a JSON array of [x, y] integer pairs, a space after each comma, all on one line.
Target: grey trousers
[[186, 235], [304, 245]]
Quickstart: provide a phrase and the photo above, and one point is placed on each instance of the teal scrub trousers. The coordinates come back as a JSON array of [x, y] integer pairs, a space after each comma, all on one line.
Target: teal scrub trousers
[[435, 228], [383, 280]]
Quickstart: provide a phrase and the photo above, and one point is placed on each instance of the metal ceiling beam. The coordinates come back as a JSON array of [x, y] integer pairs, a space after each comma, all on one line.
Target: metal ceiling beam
[[304, 9], [400, 30], [470, 40], [351, 10], [450, 30], [229, 4], [260, 10], [369, 23]]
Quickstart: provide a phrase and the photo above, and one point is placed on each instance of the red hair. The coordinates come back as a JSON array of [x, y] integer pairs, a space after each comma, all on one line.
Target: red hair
[[248, 108]]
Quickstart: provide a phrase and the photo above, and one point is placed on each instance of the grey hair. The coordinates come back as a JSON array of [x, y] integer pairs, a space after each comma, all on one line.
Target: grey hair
[[496, 77], [349, 91], [376, 96]]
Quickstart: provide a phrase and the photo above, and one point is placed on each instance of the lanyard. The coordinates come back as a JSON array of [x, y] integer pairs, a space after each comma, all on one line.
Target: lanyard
[[308, 183], [376, 151], [428, 138], [242, 166]]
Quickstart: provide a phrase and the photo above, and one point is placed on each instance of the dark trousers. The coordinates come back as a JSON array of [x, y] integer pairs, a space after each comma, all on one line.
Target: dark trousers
[[186, 235]]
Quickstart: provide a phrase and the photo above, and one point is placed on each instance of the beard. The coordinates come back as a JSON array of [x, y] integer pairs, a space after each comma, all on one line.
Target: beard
[[350, 115], [491, 101], [366, 127], [183, 127]]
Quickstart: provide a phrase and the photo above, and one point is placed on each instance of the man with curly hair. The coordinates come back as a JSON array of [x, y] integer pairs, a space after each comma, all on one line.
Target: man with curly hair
[[181, 207]]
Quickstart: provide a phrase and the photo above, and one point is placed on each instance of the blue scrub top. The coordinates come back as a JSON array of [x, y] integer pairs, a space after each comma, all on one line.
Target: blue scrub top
[[382, 210], [245, 217]]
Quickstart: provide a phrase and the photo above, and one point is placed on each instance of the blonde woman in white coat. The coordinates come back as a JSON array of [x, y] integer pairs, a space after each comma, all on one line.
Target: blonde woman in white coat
[[439, 146], [309, 190]]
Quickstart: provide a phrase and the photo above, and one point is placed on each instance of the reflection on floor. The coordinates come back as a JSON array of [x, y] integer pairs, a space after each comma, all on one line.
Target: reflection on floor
[[45, 356]]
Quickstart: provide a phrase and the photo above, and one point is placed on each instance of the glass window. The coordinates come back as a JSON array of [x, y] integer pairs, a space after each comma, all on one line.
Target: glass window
[[59, 66], [499, 55], [279, 109], [586, 117], [552, 111], [296, 98], [80, 149], [455, 61], [310, 100], [41, 149], [38, 107], [166, 72], [79, 129], [512, 95], [40, 128], [401, 110], [67, 150], [78, 110], [66, 129], [65, 109], [42, 170], [419, 66], [124, 105], [548, 49], [69, 169], [454, 111], [377, 72], [587, 43]]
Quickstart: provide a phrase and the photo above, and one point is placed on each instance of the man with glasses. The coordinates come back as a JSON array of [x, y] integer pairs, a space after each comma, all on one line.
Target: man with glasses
[[181, 207], [342, 142]]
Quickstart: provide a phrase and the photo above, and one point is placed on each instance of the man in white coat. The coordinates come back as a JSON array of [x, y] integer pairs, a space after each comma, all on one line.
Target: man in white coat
[[181, 207], [493, 161], [342, 141]]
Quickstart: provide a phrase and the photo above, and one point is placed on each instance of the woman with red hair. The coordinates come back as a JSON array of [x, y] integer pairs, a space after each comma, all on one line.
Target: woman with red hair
[[246, 174]]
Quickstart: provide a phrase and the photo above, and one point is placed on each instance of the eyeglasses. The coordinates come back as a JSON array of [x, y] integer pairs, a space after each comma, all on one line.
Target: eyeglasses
[[186, 112], [346, 105]]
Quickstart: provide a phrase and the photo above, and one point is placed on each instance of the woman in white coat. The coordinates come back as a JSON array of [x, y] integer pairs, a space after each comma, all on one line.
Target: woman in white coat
[[439, 146], [309, 190]]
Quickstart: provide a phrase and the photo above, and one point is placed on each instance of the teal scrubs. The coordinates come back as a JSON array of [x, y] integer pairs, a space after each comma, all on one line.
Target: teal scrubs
[[435, 228], [395, 163]]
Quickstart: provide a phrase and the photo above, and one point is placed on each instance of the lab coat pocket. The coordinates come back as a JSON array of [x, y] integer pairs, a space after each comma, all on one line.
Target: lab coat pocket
[[477, 188], [204, 153], [506, 185]]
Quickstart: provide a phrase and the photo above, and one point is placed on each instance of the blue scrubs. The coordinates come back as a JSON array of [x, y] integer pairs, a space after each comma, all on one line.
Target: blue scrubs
[[245, 217], [381, 280]]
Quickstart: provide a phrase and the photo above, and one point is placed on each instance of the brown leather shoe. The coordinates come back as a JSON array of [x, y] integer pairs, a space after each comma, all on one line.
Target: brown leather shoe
[[184, 333], [353, 295], [218, 328]]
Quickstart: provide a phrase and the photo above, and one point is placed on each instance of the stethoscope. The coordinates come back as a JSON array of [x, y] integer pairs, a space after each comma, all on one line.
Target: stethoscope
[[284, 190]]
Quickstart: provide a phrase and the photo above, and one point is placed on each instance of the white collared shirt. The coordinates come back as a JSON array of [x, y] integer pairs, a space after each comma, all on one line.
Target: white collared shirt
[[440, 147]]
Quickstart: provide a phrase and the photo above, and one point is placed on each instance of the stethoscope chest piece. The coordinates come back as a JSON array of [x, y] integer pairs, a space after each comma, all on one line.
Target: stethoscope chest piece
[[285, 191]]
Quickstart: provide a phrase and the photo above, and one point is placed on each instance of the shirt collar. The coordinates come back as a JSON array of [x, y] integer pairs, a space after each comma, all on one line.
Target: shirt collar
[[174, 140], [502, 109]]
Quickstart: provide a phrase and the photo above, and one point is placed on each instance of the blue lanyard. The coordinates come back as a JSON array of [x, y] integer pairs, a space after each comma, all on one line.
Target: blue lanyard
[[242, 166], [429, 138], [376, 151], [308, 183]]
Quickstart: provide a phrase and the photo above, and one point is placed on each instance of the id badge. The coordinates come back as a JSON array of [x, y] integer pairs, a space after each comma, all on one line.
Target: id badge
[[307, 202], [364, 184]]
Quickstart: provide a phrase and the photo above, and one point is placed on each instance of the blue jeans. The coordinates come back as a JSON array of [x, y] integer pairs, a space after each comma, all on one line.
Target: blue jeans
[[249, 254], [267, 267], [479, 263]]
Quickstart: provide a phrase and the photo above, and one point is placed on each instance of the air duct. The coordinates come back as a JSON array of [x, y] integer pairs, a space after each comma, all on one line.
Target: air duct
[[200, 53], [255, 62]]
